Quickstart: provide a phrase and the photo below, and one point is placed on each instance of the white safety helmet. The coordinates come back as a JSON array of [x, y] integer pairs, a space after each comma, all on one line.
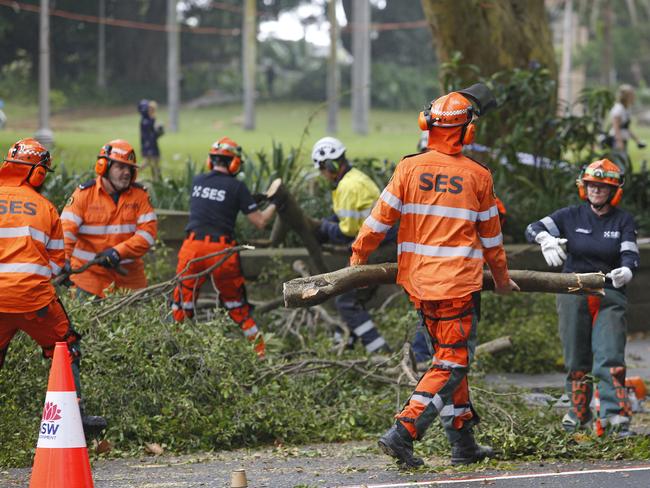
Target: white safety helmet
[[326, 149]]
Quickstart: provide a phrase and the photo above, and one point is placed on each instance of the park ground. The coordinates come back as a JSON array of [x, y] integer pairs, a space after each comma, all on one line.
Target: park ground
[[80, 132]]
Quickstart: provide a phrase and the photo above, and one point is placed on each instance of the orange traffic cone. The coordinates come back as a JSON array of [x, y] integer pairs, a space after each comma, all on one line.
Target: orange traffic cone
[[61, 456]]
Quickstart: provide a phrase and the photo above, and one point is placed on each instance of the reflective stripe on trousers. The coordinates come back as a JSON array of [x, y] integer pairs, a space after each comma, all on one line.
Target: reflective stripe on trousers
[[443, 390], [359, 321]]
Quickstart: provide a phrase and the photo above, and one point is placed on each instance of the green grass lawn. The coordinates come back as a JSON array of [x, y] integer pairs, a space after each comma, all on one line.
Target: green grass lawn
[[80, 134]]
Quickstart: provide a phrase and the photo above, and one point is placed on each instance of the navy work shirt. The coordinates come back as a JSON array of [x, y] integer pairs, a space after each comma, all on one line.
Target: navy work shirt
[[594, 243], [215, 200]]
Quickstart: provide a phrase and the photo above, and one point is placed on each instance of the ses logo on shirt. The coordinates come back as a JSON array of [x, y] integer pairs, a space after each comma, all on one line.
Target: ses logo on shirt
[[208, 193], [611, 234]]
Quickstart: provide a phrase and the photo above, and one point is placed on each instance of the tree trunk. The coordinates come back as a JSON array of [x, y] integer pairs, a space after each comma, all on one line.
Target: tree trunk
[[101, 46], [361, 67], [173, 59], [494, 35], [306, 292], [293, 217], [332, 72], [44, 134], [249, 40]]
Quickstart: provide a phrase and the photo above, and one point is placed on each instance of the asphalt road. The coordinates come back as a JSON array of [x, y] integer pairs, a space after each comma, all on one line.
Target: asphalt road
[[342, 465]]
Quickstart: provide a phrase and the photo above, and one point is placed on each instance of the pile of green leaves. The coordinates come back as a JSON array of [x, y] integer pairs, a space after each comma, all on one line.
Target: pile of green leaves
[[200, 387]]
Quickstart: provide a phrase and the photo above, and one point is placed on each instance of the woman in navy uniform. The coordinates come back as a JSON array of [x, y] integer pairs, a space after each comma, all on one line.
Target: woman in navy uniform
[[598, 236]]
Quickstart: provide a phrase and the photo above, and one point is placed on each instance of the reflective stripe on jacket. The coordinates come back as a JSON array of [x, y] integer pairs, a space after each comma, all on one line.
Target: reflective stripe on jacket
[[93, 222], [449, 223], [31, 249], [353, 199]]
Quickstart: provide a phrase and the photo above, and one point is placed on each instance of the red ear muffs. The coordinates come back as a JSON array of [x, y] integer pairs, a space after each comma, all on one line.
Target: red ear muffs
[[103, 161], [235, 165], [469, 131], [424, 120], [36, 176], [582, 191], [208, 163], [616, 199]]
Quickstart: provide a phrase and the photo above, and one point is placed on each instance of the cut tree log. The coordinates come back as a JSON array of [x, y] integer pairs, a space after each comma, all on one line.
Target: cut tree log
[[497, 345], [305, 292], [292, 216]]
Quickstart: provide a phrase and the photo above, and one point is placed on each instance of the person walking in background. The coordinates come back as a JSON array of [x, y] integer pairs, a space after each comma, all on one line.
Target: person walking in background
[[620, 118], [449, 224], [216, 199], [110, 217], [598, 237], [149, 134]]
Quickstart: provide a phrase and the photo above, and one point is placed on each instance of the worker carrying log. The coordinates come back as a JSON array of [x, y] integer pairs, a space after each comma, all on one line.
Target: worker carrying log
[[598, 236], [109, 220], [216, 199], [449, 224], [353, 195]]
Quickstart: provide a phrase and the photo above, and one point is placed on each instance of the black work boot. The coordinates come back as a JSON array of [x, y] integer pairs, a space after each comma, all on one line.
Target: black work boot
[[467, 451], [93, 425], [398, 443]]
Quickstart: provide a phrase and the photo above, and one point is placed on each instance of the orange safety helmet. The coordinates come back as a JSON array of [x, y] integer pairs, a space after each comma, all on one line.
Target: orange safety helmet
[[451, 110], [228, 148], [33, 160], [602, 171], [118, 151]]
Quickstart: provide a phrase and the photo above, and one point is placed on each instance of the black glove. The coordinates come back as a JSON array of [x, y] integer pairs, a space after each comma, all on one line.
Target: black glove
[[280, 201], [260, 198], [641, 144], [67, 271], [109, 258]]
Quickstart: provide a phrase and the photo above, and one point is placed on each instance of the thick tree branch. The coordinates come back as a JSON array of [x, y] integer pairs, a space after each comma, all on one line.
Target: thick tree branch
[[309, 291]]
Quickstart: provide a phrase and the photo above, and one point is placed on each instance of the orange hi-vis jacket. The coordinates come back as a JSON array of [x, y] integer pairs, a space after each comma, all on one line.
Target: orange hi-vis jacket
[[449, 223], [93, 222], [31, 249]]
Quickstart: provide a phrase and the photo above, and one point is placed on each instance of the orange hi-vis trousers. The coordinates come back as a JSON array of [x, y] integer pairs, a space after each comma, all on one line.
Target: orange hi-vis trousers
[[46, 326], [227, 278], [443, 391]]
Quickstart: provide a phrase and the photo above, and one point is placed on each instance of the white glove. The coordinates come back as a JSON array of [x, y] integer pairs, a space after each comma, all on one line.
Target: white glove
[[620, 276], [551, 248]]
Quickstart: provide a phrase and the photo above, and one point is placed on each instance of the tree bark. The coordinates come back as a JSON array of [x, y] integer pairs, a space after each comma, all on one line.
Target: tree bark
[[332, 72], [306, 292], [494, 35], [249, 41], [293, 217], [173, 62], [361, 67]]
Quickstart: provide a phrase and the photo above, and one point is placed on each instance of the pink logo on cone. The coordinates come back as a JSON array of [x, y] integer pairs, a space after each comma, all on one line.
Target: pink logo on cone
[[51, 412]]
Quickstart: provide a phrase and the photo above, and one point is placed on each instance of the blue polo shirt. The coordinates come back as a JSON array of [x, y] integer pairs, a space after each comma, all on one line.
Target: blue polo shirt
[[594, 243], [215, 200]]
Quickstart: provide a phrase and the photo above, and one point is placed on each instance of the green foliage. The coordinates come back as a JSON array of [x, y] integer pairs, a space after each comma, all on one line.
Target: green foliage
[[61, 184], [16, 80], [561, 144], [193, 386], [531, 322], [173, 193], [400, 87]]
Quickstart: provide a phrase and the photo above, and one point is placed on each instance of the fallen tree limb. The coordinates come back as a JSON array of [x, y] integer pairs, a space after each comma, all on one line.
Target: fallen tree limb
[[308, 291], [497, 345]]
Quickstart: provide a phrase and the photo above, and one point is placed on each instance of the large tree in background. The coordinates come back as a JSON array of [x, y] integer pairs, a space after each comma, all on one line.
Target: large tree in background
[[492, 34]]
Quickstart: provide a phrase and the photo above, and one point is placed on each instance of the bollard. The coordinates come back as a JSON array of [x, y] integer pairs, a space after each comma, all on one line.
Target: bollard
[[238, 479]]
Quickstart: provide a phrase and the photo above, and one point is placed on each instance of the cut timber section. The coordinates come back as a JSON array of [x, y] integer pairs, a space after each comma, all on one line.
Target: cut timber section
[[312, 290]]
